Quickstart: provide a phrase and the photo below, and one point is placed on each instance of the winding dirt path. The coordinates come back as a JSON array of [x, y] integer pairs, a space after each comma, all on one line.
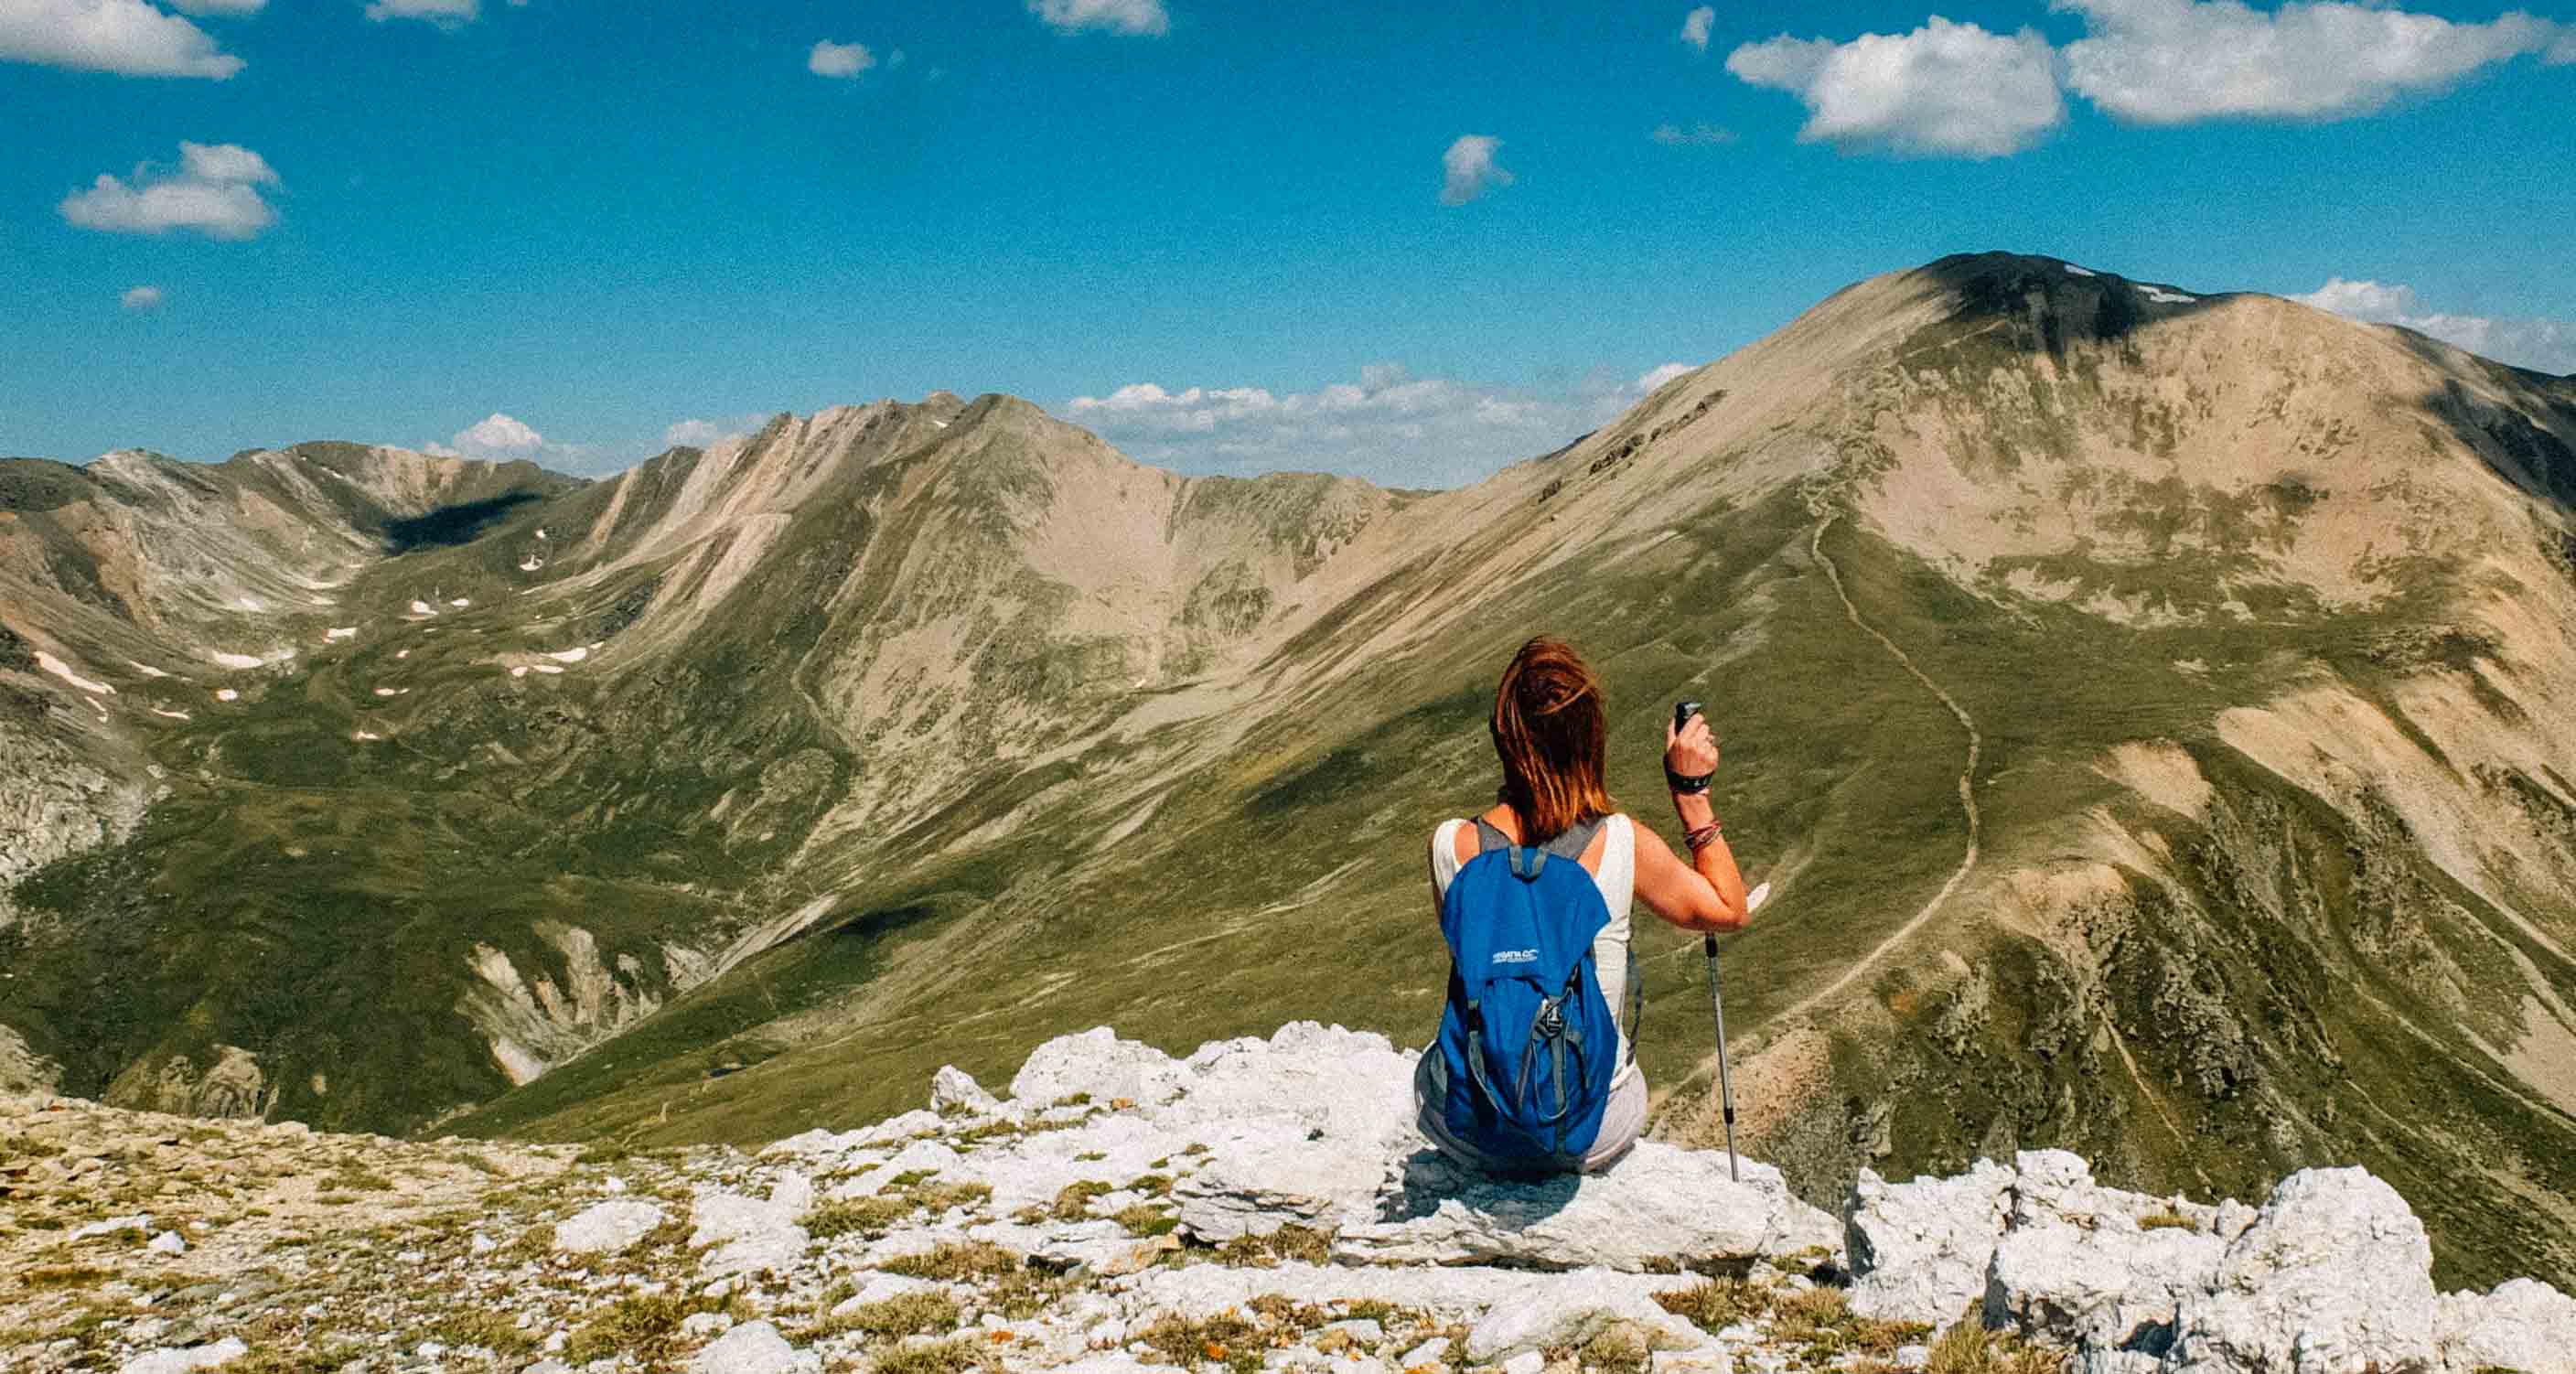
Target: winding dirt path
[[1967, 798]]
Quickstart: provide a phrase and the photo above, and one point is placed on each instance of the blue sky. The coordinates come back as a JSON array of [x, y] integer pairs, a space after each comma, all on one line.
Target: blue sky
[[406, 222]]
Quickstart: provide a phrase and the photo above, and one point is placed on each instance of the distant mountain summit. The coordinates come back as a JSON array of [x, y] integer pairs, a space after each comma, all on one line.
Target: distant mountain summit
[[2143, 700]]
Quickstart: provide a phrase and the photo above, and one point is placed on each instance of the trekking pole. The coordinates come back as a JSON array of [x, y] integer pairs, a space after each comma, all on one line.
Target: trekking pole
[[1717, 1007]]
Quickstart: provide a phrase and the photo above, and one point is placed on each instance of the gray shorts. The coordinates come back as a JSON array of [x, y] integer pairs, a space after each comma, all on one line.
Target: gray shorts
[[1621, 1122]]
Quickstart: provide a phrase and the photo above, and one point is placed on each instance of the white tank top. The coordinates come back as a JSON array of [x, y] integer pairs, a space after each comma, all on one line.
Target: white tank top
[[1618, 883]]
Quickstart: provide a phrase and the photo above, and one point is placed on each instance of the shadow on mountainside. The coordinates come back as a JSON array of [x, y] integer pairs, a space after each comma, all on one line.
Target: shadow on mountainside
[[2049, 303], [448, 526], [2537, 462]]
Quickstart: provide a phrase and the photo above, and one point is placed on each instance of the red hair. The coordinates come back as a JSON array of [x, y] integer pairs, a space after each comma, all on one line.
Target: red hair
[[1551, 734]]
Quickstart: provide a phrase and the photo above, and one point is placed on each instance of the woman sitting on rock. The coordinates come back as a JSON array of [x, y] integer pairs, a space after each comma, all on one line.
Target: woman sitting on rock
[[1533, 1073]]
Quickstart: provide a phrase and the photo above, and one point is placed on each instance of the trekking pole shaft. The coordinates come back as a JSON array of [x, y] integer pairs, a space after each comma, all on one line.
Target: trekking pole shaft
[[1725, 1077]]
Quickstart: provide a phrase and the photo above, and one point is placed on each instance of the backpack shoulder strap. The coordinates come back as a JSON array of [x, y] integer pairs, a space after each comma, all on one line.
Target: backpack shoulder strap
[[1576, 839], [1568, 845]]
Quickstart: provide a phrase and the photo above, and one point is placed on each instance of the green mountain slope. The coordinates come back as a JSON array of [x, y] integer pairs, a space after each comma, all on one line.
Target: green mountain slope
[[770, 778]]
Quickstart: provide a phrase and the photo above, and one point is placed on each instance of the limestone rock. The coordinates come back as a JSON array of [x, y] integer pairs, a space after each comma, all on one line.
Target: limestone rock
[[751, 1234], [2076, 1266], [2523, 1325], [882, 1287], [2334, 1277], [1425, 1355], [1660, 1203], [609, 1228], [954, 1091], [2114, 1288], [753, 1348], [1568, 1310], [181, 1361], [1099, 1065], [1257, 1186], [1919, 1251]]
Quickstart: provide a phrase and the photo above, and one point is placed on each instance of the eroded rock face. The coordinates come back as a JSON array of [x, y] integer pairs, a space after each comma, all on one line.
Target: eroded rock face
[[2523, 1324], [2335, 1277], [1919, 1251], [2331, 1276], [2094, 1267]]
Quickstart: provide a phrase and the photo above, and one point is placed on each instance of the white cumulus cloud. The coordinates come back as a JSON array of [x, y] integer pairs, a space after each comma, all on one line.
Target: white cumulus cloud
[[141, 298], [2541, 345], [1133, 18], [127, 37], [446, 14], [497, 433], [214, 191], [839, 59], [1661, 375], [1945, 89], [2176, 61], [1468, 169], [1695, 26]]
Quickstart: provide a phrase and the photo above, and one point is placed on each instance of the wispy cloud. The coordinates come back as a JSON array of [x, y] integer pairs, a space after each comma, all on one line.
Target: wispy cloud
[[1695, 26], [700, 433], [1946, 89], [1700, 135], [141, 298], [1468, 169], [840, 60], [1131, 18], [1388, 425], [214, 192], [446, 14], [127, 37], [2176, 61], [2541, 345]]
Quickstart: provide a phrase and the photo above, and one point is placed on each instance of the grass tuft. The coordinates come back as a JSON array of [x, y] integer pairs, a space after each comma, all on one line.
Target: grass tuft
[[956, 1260], [1969, 1348]]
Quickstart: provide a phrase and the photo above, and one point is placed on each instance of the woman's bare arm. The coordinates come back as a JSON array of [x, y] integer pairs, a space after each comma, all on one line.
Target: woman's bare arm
[[1707, 893]]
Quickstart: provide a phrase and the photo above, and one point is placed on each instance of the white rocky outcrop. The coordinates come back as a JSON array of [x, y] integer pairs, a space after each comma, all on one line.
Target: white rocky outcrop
[[2523, 1324], [187, 1359], [1919, 1251], [609, 1228], [753, 1348], [2333, 1275], [749, 1234], [1565, 1311], [1661, 1204], [1132, 1211]]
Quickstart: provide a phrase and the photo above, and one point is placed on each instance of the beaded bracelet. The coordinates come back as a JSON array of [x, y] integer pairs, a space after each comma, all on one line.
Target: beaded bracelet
[[1700, 837]]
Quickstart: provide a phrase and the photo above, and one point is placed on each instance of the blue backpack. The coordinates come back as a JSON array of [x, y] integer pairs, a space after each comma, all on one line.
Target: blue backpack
[[1527, 1037]]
